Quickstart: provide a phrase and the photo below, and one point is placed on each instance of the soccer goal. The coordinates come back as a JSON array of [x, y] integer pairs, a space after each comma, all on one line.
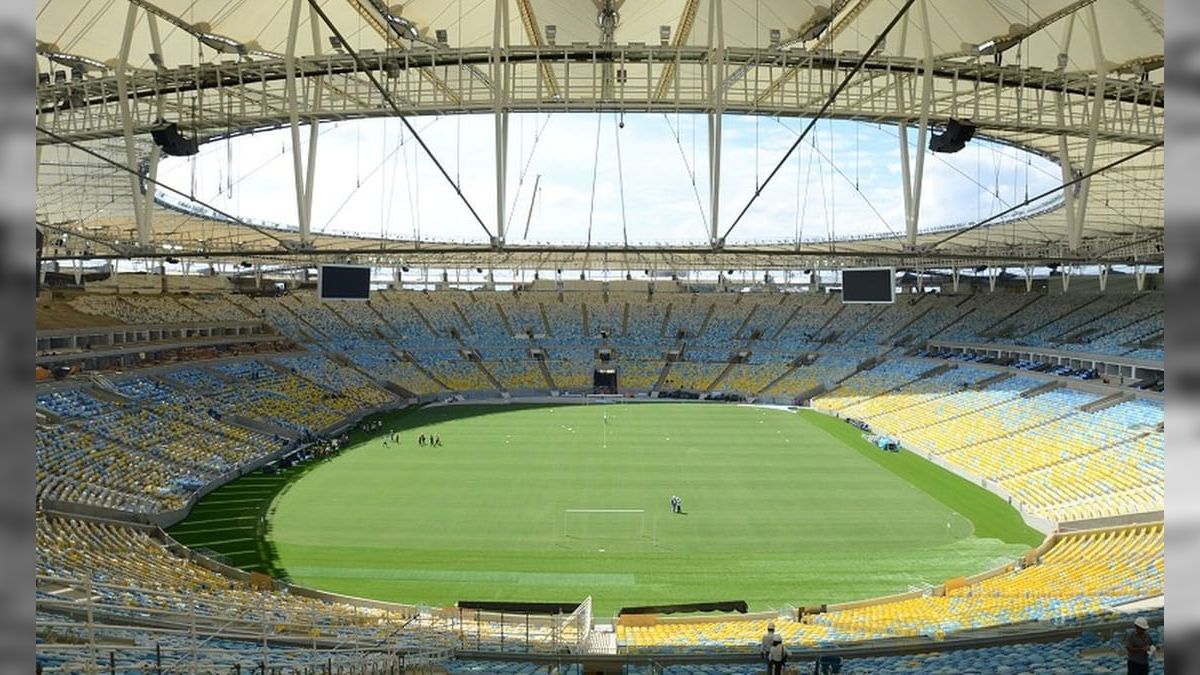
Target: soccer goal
[[604, 525]]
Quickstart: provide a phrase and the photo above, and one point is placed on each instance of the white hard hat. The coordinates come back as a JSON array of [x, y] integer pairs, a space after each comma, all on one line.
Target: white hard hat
[[778, 639], [770, 626], [1141, 622]]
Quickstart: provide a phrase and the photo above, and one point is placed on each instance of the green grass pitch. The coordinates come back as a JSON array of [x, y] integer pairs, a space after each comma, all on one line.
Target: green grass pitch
[[780, 509]]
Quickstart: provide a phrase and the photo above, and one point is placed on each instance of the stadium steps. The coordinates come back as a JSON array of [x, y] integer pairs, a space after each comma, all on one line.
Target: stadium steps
[[587, 325], [971, 411], [662, 328], [1106, 402], [407, 356], [738, 334], [790, 369], [383, 320], [171, 297], [707, 318], [462, 316], [260, 426], [504, 319], [546, 372], [1075, 458], [830, 321], [473, 357], [1062, 337], [424, 319], [350, 325], [723, 374], [932, 372], [545, 321], [307, 331], [298, 374], [1092, 327], [996, 325], [103, 389], [1041, 389], [989, 381], [844, 338], [662, 376]]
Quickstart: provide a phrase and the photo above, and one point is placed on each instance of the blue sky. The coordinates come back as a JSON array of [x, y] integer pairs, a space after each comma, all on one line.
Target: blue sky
[[372, 179]]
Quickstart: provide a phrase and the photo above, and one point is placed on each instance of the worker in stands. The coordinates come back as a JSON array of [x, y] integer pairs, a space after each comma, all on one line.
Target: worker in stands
[[1139, 647], [768, 639]]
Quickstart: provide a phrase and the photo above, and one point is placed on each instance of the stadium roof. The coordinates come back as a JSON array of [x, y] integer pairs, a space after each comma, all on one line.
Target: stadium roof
[[1079, 81]]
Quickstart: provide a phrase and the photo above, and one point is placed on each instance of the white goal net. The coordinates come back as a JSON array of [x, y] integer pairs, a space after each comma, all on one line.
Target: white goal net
[[603, 524]]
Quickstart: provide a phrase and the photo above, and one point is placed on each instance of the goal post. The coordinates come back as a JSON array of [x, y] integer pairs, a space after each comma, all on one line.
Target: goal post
[[603, 524]]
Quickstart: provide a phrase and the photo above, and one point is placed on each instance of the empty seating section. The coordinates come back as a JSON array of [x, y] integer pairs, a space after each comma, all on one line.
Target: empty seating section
[[934, 315], [826, 370], [457, 372], [692, 375], [605, 316], [639, 368], [515, 370], [73, 403], [344, 380], [439, 310], [139, 309], [687, 316], [812, 313], [571, 368], [566, 320], [404, 323], [871, 382], [913, 393], [727, 317], [274, 312], [385, 365], [365, 317], [750, 378], [1081, 575], [339, 334], [523, 314], [74, 465], [1054, 459], [131, 574], [485, 323], [215, 307], [645, 325], [289, 401], [983, 311]]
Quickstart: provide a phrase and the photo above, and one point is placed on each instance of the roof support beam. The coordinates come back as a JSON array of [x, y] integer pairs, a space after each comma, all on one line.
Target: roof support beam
[[1075, 235], [303, 195], [500, 42], [914, 180], [682, 32], [135, 183], [534, 34], [716, 70]]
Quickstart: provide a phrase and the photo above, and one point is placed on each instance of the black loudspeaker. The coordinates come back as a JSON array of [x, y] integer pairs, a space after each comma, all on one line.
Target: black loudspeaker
[[953, 139], [167, 137]]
